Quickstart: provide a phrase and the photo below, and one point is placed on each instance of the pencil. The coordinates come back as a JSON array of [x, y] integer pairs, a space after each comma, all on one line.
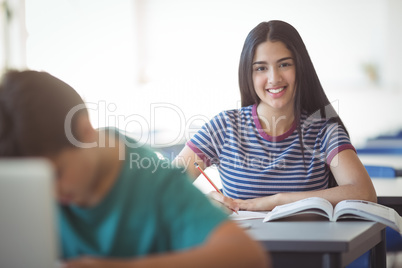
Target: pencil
[[210, 181]]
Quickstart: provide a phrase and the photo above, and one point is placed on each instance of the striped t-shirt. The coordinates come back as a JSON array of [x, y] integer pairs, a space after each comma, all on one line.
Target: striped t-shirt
[[253, 164]]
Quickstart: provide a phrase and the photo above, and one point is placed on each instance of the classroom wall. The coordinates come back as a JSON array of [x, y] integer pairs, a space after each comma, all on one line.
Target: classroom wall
[[165, 67], [355, 46]]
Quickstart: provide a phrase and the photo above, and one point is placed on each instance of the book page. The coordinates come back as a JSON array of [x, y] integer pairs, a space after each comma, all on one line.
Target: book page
[[313, 205], [370, 211], [247, 215]]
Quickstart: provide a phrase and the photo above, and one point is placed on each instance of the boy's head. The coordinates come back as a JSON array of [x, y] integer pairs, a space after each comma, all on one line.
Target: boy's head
[[33, 110]]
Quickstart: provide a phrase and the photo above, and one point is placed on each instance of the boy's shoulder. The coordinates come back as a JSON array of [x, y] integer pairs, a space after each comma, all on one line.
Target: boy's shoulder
[[145, 161]]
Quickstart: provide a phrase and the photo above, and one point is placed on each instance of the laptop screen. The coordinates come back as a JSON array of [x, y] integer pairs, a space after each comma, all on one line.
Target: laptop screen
[[28, 230]]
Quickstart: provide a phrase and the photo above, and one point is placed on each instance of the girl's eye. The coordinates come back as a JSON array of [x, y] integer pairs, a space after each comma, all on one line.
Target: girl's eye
[[261, 68], [285, 64]]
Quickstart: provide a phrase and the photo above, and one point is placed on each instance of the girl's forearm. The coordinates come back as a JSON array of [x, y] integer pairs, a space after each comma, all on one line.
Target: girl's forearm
[[334, 195]]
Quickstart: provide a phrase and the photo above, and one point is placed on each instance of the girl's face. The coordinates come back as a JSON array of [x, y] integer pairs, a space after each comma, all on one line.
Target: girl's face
[[274, 75]]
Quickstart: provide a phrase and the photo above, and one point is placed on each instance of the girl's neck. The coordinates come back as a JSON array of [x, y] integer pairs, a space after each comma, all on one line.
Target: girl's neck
[[275, 122]]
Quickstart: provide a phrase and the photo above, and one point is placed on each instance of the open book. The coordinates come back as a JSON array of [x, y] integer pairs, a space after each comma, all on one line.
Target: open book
[[357, 209]]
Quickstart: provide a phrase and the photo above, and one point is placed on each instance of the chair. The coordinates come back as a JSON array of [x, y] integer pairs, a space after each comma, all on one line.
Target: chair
[[393, 239]]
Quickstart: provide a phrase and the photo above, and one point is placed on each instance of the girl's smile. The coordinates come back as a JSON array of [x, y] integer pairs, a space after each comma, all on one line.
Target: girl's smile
[[277, 92], [274, 76]]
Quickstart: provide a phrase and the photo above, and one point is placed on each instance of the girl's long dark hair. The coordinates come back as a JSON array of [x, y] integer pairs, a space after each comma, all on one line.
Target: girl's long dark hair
[[309, 94]]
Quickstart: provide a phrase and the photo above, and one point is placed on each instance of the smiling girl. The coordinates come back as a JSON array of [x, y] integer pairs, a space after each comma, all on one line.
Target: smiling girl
[[286, 142]]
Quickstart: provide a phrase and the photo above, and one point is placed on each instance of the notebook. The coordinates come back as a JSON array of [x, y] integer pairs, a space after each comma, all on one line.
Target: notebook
[[28, 231]]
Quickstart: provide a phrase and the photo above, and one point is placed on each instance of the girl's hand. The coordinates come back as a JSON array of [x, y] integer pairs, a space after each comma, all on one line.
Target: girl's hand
[[226, 203], [257, 204]]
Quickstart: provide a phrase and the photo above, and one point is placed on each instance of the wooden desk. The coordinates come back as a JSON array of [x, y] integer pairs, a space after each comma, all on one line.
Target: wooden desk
[[303, 242]]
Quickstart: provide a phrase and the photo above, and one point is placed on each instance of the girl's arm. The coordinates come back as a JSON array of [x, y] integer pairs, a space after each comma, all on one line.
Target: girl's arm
[[186, 159], [227, 246], [350, 174]]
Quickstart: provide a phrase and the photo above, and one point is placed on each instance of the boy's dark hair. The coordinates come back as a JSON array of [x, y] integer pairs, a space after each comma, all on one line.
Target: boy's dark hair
[[33, 110]]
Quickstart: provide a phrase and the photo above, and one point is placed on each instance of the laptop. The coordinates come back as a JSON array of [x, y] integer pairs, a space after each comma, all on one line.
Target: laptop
[[28, 230]]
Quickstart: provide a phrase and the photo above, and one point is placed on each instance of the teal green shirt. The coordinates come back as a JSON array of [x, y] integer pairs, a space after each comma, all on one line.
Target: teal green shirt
[[151, 208]]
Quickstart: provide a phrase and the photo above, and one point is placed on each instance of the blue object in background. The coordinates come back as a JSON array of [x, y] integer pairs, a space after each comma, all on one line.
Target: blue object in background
[[380, 171], [380, 150]]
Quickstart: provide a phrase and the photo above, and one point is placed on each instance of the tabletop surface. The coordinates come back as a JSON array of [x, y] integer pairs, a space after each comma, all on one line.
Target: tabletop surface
[[312, 233], [388, 187]]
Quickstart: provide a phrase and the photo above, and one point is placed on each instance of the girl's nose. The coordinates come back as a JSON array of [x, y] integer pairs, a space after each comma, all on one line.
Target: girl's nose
[[274, 76]]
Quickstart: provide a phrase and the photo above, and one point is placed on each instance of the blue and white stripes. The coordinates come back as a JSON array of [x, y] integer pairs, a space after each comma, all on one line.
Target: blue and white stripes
[[253, 164]]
